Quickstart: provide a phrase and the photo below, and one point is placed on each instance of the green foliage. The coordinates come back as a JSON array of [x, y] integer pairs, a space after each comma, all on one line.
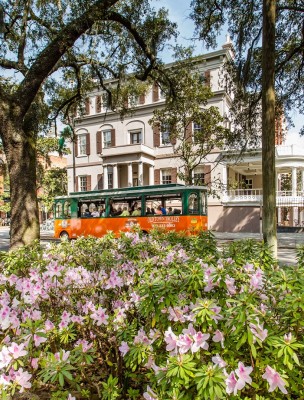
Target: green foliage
[[118, 318]]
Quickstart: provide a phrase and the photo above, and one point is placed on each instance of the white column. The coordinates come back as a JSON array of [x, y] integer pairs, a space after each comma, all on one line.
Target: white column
[[130, 175], [279, 215], [151, 175], [294, 181], [105, 177], [140, 174], [225, 182], [115, 176]]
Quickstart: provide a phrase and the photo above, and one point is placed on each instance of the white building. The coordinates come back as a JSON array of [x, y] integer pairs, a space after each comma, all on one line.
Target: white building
[[110, 153]]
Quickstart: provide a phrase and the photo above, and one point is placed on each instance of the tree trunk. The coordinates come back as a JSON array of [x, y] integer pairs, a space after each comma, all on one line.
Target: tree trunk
[[20, 152], [268, 125]]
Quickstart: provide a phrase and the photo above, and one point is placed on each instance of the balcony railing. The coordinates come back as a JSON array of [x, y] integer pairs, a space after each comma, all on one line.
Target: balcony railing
[[245, 195], [283, 198]]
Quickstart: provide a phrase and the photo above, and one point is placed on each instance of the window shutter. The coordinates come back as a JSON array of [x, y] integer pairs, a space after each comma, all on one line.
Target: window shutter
[[100, 181], [207, 174], [174, 175], [76, 146], [155, 92], [156, 135], [76, 183], [88, 143], [98, 104], [207, 78], [156, 176], [88, 182], [98, 142], [142, 99], [188, 137], [87, 106], [113, 139]]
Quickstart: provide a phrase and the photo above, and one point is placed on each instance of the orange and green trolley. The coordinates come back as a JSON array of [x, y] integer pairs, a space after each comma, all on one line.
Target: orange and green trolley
[[171, 207]]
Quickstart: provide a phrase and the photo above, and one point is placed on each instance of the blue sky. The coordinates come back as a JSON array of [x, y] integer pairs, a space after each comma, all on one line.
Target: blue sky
[[179, 11]]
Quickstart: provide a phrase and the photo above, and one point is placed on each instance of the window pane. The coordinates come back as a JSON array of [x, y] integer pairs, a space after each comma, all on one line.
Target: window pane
[[82, 145], [83, 183], [135, 137], [166, 177], [107, 139], [165, 135]]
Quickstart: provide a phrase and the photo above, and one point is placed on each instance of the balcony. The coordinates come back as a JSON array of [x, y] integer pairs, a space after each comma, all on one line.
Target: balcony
[[255, 197], [129, 149]]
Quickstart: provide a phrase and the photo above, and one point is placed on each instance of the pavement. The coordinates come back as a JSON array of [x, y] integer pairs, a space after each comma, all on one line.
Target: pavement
[[288, 243]]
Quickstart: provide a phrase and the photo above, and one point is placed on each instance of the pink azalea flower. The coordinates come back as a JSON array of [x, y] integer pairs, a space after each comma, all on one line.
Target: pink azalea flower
[[16, 350], [124, 348], [243, 373], [217, 360], [149, 394], [34, 363], [258, 331], [274, 379], [38, 340], [184, 343], [85, 345], [230, 285], [231, 384], [70, 397], [199, 340], [218, 337], [22, 378], [5, 357], [62, 355], [171, 340], [100, 316]]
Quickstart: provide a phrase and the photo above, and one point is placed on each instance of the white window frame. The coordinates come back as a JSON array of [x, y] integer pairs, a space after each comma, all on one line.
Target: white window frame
[[107, 138], [166, 176], [83, 183], [136, 132], [249, 183], [196, 128], [110, 177], [165, 135], [199, 175], [82, 144]]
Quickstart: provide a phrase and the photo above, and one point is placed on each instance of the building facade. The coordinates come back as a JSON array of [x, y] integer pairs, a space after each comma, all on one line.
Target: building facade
[[112, 153]]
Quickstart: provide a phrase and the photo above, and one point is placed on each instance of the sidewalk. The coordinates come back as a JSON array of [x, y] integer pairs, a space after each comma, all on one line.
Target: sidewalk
[[287, 243]]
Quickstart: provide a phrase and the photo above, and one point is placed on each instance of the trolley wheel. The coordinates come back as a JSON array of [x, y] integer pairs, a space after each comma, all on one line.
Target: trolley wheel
[[64, 235]]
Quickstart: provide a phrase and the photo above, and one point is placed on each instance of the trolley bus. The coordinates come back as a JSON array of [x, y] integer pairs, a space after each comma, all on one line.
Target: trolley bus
[[171, 207]]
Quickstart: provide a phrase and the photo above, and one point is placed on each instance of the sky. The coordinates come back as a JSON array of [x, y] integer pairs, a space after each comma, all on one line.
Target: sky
[[179, 11]]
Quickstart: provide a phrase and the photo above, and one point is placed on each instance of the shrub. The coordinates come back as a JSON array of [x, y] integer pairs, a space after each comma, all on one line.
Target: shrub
[[150, 317]]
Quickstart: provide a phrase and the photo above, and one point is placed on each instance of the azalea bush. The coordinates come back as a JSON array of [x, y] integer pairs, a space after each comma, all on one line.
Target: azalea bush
[[163, 316]]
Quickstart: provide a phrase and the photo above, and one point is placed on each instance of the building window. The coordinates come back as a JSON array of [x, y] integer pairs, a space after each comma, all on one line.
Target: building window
[[166, 176], [110, 177], [165, 135], [82, 145], [106, 101], [199, 176], [83, 183], [107, 139], [162, 94], [248, 183], [135, 137], [134, 100], [197, 129]]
